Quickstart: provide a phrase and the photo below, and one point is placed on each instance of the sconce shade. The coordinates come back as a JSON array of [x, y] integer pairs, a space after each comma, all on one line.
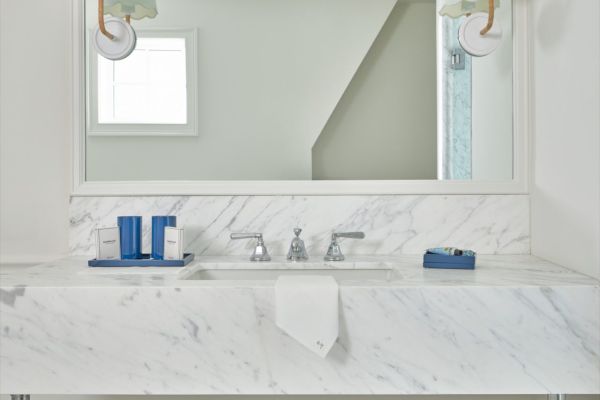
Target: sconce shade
[[459, 8], [137, 9]]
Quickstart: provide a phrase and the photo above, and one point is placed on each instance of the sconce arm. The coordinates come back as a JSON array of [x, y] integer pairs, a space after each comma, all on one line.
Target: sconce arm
[[101, 21]]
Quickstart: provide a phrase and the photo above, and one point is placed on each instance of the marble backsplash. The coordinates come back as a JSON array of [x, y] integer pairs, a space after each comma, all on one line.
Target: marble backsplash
[[401, 224]]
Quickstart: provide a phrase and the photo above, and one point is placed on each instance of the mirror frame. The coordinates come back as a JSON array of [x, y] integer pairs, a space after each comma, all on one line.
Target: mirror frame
[[521, 150]]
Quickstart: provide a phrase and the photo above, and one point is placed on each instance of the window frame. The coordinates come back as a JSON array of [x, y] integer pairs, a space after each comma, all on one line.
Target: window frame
[[94, 128]]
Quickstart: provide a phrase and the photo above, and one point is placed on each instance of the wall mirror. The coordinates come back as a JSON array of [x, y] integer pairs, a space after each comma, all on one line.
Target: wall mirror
[[302, 95]]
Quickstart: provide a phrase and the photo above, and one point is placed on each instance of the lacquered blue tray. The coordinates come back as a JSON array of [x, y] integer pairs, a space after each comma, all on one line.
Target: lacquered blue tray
[[448, 262], [145, 261]]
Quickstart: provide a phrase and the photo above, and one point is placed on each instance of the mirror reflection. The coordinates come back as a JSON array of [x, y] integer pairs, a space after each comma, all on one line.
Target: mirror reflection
[[299, 90]]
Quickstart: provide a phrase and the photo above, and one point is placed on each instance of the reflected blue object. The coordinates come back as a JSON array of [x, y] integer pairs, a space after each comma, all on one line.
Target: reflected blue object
[[131, 237], [457, 87], [159, 222]]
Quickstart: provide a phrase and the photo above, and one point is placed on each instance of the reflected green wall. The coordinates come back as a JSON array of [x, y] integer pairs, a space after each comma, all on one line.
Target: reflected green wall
[[269, 75], [385, 127]]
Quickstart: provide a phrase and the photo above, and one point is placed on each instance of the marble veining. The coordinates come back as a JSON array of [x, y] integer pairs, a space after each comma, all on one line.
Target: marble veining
[[406, 224], [517, 324]]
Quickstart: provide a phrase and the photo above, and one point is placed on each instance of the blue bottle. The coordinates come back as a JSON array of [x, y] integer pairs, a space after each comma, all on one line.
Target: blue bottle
[[159, 222], [131, 237]]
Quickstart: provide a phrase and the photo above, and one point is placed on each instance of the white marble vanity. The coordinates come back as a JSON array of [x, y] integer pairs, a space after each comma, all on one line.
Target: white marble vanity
[[369, 118], [517, 324]]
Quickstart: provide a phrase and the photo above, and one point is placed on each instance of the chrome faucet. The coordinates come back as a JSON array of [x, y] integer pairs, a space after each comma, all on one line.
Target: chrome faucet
[[260, 251], [297, 250], [334, 252]]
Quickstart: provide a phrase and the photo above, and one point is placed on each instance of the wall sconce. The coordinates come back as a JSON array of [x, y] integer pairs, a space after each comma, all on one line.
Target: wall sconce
[[127, 9], [114, 37], [478, 35]]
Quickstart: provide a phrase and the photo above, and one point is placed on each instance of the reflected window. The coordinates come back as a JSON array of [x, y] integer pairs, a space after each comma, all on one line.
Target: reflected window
[[148, 87], [151, 92]]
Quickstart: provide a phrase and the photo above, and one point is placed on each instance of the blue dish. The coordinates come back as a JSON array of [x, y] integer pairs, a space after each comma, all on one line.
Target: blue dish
[[448, 262], [145, 261]]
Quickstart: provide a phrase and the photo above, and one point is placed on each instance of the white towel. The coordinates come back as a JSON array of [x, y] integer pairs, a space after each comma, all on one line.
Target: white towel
[[306, 308]]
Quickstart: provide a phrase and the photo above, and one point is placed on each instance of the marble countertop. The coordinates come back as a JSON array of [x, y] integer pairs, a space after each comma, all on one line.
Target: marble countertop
[[406, 271], [516, 324]]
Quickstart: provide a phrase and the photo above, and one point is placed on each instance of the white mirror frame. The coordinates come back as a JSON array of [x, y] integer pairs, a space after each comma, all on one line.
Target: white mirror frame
[[521, 128]]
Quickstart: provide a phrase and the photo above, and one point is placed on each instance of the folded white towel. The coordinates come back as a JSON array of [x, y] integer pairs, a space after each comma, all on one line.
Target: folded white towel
[[306, 308]]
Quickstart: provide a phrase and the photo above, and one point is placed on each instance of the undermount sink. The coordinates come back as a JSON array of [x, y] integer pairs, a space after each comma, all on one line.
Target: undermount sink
[[273, 274]]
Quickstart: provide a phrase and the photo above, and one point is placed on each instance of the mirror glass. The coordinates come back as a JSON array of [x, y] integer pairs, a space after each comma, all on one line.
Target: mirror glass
[[300, 90]]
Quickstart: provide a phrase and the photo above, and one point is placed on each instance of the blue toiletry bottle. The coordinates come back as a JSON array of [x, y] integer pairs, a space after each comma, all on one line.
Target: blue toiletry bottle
[[159, 222], [131, 237]]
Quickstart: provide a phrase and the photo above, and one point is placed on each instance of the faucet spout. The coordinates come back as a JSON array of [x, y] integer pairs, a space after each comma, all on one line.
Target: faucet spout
[[297, 250]]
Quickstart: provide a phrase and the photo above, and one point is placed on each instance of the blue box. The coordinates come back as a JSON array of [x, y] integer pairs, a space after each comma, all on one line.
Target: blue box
[[448, 262]]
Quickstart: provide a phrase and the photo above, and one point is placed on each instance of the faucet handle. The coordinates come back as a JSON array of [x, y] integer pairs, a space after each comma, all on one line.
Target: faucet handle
[[236, 236], [297, 232], [349, 235], [334, 252], [260, 251]]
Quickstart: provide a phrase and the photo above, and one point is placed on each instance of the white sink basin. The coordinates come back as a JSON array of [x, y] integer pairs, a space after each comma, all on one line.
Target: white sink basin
[[272, 274]]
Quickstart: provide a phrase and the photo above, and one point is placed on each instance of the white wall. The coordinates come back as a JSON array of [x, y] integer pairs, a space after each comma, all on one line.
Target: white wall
[[492, 106], [34, 129], [566, 176]]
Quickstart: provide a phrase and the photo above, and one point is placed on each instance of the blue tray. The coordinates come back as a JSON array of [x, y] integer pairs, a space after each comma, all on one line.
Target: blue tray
[[448, 262], [145, 261]]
